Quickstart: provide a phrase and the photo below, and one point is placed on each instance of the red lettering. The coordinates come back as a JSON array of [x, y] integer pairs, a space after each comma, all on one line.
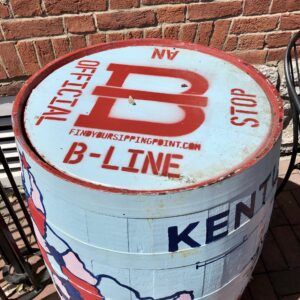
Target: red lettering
[[88, 63], [107, 159], [71, 102], [76, 151], [92, 70], [55, 110], [53, 114], [168, 164], [242, 99], [155, 164], [132, 161], [249, 112], [42, 118], [68, 83], [240, 92], [244, 102], [62, 91], [80, 75], [114, 92], [190, 102], [237, 122], [160, 54], [171, 55]]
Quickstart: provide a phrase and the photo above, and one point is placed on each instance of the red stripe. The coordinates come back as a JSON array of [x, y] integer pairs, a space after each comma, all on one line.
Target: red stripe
[[184, 99], [38, 217], [21, 99], [45, 257], [86, 290]]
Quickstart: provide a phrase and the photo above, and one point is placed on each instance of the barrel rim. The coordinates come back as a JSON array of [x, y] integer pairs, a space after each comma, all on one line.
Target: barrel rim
[[270, 91]]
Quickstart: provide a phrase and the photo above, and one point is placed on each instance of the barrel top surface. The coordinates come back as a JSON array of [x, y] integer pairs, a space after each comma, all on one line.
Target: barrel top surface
[[148, 116]]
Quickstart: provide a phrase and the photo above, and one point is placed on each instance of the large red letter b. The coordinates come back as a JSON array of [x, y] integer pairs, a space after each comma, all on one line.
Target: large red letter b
[[190, 102]]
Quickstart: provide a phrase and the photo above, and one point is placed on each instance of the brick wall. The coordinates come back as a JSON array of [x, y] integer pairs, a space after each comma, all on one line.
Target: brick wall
[[34, 32]]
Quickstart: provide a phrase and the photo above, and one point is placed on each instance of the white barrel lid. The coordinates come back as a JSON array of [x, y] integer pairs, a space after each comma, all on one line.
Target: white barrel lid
[[151, 116]]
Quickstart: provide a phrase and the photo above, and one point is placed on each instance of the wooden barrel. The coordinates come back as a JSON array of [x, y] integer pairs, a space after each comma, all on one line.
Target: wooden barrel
[[150, 169]]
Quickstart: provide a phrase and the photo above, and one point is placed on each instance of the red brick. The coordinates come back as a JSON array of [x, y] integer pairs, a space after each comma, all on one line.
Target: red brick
[[154, 33], [80, 24], [4, 13], [134, 34], [123, 4], [56, 7], [271, 255], [274, 40], [125, 19], [256, 7], [251, 41], [204, 33], [26, 8], [289, 245], [188, 32], [60, 46], [290, 21], [2, 73], [252, 56], [96, 38], [278, 218], [28, 56], [157, 2], [206, 11], [11, 88], [44, 51], [296, 194], [262, 288], [19, 29], [171, 32], [297, 231], [231, 43], [286, 282], [246, 295], [1, 36], [289, 206], [115, 36], [254, 24], [276, 55], [220, 33], [293, 5], [292, 297], [171, 14], [11, 61], [259, 268], [279, 6], [77, 42]]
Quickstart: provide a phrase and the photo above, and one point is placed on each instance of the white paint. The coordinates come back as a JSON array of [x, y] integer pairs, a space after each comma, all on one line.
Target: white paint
[[122, 240], [220, 152]]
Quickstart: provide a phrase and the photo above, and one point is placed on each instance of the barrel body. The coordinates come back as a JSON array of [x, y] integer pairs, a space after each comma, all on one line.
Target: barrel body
[[144, 205]]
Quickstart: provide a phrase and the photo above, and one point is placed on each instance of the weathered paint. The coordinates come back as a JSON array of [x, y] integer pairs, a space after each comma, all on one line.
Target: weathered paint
[[155, 177]]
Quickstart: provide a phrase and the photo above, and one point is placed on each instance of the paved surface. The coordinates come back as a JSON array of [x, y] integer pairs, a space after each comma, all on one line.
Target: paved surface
[[277, 274]]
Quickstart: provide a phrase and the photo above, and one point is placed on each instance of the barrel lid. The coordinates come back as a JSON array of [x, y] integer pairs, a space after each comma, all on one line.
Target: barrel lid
[[149, 116]]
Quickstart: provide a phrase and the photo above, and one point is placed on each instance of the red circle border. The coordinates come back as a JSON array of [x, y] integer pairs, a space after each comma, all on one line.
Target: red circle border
[[34, 80]]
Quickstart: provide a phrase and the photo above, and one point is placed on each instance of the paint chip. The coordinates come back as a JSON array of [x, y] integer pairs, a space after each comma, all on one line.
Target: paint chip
[[131, 100]]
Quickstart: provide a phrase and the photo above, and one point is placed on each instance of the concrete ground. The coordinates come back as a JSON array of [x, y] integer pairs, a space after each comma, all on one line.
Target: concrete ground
[[277, 273]]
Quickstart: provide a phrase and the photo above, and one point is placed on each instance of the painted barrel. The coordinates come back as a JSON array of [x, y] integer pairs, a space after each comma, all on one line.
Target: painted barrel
[[150, 169]]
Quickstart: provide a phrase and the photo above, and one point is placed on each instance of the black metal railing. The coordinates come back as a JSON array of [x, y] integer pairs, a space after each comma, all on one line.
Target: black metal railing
[[17, 270], [292, 75]]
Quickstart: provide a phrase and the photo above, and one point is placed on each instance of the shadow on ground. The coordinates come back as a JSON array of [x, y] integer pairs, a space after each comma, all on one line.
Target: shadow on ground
[[277, 273]]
